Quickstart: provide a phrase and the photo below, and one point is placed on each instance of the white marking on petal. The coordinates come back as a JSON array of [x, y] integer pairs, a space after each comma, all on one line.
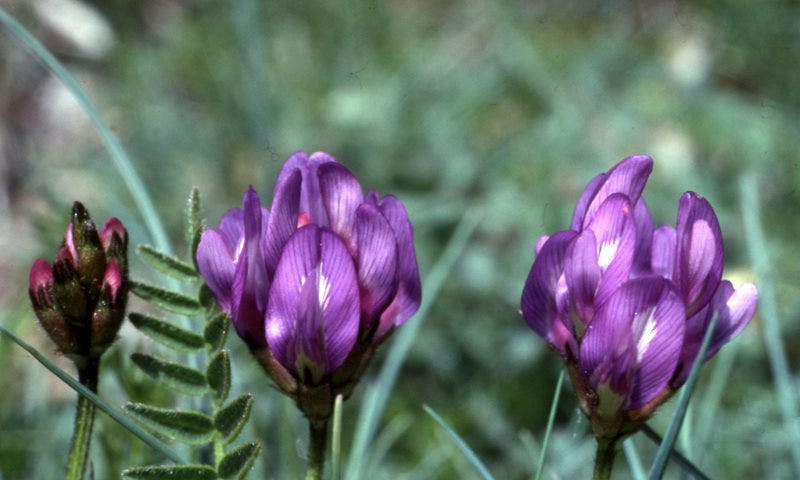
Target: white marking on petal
[[324, 288], [275, 329], [607, 252], [239, 249], [645, 330]]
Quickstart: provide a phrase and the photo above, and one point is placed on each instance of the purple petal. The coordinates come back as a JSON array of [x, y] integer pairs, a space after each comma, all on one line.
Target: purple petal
[[377, 262], [540, 243], [310, 197], [584, 201], [231, 226], [540, 305], [313, 252], [216, 263], [634, 341], [615, 232], [341, 196], [644, 237], [283, 218], [662, 258], [582, 274], [627, 177], [409, 289], [251, 281], [735, 309], [699, 256]]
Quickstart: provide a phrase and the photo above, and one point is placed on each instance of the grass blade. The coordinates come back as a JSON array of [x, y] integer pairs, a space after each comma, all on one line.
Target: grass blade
[[634, 463], [461, 444], [101, 404], [118, 156], [667, 444], [677, 456], [550, 422], [375, 400], [757, 248], [336, 440]]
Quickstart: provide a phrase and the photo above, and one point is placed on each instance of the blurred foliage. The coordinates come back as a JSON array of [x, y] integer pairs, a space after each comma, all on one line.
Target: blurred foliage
[[506, 106]]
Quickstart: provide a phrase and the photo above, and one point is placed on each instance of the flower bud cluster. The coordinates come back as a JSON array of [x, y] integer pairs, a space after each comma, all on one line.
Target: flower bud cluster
[[80, 300]]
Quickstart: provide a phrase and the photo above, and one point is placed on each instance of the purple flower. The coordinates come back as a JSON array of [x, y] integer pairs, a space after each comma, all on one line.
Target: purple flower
[[627, 303], [328, 268]]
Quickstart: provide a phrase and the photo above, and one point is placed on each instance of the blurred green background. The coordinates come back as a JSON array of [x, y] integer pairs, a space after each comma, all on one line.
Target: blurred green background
[[506, 107]]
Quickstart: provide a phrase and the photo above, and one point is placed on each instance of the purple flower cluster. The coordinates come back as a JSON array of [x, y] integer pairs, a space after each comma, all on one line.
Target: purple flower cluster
[[627, 303], [327, 269]]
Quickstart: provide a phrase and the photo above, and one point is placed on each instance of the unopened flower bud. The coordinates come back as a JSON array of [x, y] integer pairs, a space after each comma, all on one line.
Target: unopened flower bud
[[81, 300]]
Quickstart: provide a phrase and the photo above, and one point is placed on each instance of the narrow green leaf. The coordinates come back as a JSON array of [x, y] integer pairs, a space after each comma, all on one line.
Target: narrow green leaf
[[461, 444], [216, 331], [167, 264], [194, 223], [192, 428], [171, 472], [171, 301], [179, 377], [665, 449], [218, 374], [167, 334], [550, 422], [336, 439], [236, 463], [231, 418], [101, 404]]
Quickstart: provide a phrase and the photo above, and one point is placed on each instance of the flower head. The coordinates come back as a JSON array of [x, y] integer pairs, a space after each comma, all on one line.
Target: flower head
[[627, 303], [320, 279], [80, 300]]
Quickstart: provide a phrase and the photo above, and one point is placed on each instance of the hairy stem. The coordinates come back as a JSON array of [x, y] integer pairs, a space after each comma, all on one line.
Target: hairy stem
[[317, 442], [84, 420], [604, 458]]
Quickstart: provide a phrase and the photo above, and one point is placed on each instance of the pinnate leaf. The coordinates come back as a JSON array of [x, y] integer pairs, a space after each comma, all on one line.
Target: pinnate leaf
[[218, 374], [181, 378], [216, 331], [167, 334], [231, 418], [180, 425], [171, 301], [167, 264], [236, 463], [194, 221], [171, 472]]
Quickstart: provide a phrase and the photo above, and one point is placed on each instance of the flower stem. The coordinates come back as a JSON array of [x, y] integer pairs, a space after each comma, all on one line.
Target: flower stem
[[84, 420], [604, 458], [317, 442]]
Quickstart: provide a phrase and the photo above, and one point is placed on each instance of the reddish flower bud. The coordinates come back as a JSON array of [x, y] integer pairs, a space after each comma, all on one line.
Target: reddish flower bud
[[80, 301]]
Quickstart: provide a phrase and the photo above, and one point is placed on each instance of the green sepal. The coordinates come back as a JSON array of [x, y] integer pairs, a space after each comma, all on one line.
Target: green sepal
[[192, 428], [167, 264], [232, 417], [194, 223], [236, 463], [171, 472], [218, 374], [167, 334], [181, 378], [171, 301], [216, 331]]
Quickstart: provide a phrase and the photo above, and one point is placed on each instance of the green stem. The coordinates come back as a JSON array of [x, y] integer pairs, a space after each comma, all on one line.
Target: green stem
[[604, 458], [317, 441], [84, 420]]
